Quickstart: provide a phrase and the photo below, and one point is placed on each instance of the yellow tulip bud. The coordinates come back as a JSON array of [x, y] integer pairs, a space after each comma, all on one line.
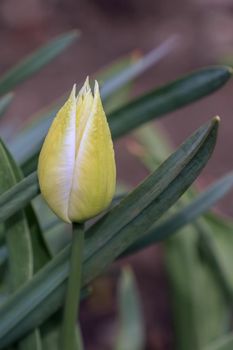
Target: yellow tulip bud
[[76, 169]]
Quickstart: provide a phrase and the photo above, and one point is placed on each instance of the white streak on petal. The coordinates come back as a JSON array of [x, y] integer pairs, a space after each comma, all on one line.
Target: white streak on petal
[[83, 110], [57, 159]]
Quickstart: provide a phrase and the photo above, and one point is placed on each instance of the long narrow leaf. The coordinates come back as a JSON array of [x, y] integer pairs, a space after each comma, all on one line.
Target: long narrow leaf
[[186, 215], [168, 98], [20, 250], [224, 343], [154, 56], [18, 196], [4, 102], [110, 236], [33, 63], [19, 245], [131, 332]]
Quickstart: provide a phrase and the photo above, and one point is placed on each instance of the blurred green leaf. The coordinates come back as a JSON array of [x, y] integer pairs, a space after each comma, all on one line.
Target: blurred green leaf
[[18, 242], [31, 341], [202, 203], [224, 343], [78, 339], [216, 242], [33, 63], [4, 102], [131, 332], [140, 66], [51, 333], [154, 145], [200, 309], [3, 254], [200, 268], [110, 236], [50, 330]]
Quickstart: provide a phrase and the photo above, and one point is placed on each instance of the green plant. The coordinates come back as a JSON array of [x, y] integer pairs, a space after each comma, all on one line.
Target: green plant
[[33, 290]]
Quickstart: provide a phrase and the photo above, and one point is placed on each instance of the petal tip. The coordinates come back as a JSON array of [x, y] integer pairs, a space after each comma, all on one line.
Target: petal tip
[[86, 85], [96, 88], [85, 89], [73, 91]]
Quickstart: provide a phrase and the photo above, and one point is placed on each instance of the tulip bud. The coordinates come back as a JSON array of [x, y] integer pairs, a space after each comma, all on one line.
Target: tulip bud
[[76, 169]]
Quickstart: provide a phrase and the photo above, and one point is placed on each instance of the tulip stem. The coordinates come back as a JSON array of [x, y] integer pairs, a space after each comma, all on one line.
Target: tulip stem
[[68, 331]]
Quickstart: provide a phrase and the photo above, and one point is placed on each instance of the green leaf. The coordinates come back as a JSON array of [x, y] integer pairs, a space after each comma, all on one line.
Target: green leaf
[[224, 343], [51, 333], [121, 78], [31, 341], [201, 260], [200, 310], [19, 250], [3, 254], [168, 98], [18, 243], [216, 242], [154, 145], [200, 205], [41, 254], [18, 196], [4, 102], [110, 236], [40, 251], [50, 330], [131, 332], [33, 63]]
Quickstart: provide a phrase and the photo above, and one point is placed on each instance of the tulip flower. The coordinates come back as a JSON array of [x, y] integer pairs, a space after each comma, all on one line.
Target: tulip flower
[[76, 167]]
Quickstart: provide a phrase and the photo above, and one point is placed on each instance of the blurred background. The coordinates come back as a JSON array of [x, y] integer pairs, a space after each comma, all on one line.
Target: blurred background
[[111, 29]]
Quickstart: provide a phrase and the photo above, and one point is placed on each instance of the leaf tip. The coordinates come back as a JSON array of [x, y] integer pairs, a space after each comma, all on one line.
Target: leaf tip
[[216, 120], [74, 33], [229, 69]]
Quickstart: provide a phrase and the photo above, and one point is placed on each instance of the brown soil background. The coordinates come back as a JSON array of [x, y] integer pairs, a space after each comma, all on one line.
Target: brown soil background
[[110, 29]]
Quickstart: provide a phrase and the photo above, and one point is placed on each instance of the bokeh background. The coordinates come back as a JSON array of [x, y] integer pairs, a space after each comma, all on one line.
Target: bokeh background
[[111, 29]]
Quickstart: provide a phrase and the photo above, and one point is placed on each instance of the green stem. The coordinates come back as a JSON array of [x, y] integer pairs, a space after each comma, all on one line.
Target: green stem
[[73, 290]]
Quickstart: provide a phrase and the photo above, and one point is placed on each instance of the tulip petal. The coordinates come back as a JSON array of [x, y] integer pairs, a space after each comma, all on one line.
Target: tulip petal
[[83, 110], [57, 159], [94, 174]]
